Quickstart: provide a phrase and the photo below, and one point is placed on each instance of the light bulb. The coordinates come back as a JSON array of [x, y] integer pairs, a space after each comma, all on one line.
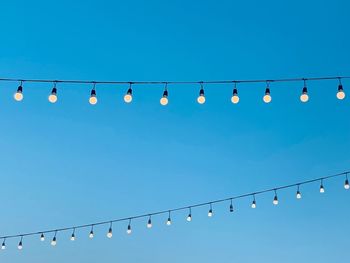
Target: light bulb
[[3, 245], [235, 98], [253, 204], [267, 97], [298, 195], [275, 200], [168, 222], [231, 207], [322, 189], [18, 96], [346, 184], [210, 213], [93, 98], [110, 233], [72, 237], [91, 234], [20, 245], [128, 231], [54, 241], [53, 95], [201, 97], [304, 97], [128, 95], [149, 223], [340, 93], [164, 100], [42, 237], [189, 218]]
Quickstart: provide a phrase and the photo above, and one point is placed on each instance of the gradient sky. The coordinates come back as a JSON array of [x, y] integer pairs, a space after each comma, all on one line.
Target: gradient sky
[[72, 163]]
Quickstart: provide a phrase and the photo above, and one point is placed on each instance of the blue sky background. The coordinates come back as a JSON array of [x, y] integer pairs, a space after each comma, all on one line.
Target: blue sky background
[[71, 163]]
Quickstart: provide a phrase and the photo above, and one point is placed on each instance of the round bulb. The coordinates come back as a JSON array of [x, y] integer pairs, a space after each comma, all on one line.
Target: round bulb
[[304, 97], [93, 100], [346, 184], [53, 98], [20, 246], [235, 99], [210, 213], [321, 189], [149, 223], [72, 238], [201, 99], [110, 233], [267, 98], [18, 96], [128, 98], [340, 93], [164, 101], [168, 222], [91, 235], [42, 237], [298, 195], [189, 218], [128, 231], [3, 246], [253, 204], [275, 201], [53, 242]]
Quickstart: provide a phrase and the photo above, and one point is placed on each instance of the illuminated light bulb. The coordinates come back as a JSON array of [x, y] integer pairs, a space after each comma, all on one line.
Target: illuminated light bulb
[[53, 95], [149, 222], [340, 93], [322, 188], [210, 212], [110, 233], [93, 98], [91, 234], [346, 184], [201, 97], [298, 195], [267, 97], [18, 96], [275, 199], [42, 237], [128, 95], [168, 222], [164, 100], [189, 217], [235, 98], [20, 245], [54, 241], [253, 203], [304, 97], [72, 237], [3, 245], [128, 231], [231, 206]]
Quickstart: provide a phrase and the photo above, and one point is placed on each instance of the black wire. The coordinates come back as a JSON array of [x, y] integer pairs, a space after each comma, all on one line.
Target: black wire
[[173, 82], [149, 215]]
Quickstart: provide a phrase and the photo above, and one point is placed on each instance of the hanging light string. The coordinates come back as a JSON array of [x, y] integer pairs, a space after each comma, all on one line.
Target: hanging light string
[[339, 78], [187, 208]]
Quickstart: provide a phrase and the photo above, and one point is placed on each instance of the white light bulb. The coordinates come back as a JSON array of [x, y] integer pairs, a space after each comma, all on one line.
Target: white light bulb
[[149, 223], [3, 246], [275, 200], [18, 96], [42, 237], [189, 218], [91, 235], [201, 97], [72, 237], [110, 233], [168, 222], [128, 231], [235, 98], [53, 242], [346, 184], [128, 98], [298, 195], [340, 93], [164, 101], [322, 189], [253, 204], [210, 213]]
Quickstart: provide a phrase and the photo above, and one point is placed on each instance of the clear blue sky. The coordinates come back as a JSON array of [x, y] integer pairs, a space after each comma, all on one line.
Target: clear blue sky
[[71, 163]]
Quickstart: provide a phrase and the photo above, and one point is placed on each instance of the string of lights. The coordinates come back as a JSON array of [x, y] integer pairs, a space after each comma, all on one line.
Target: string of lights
[[169, 212], [267, 98]]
